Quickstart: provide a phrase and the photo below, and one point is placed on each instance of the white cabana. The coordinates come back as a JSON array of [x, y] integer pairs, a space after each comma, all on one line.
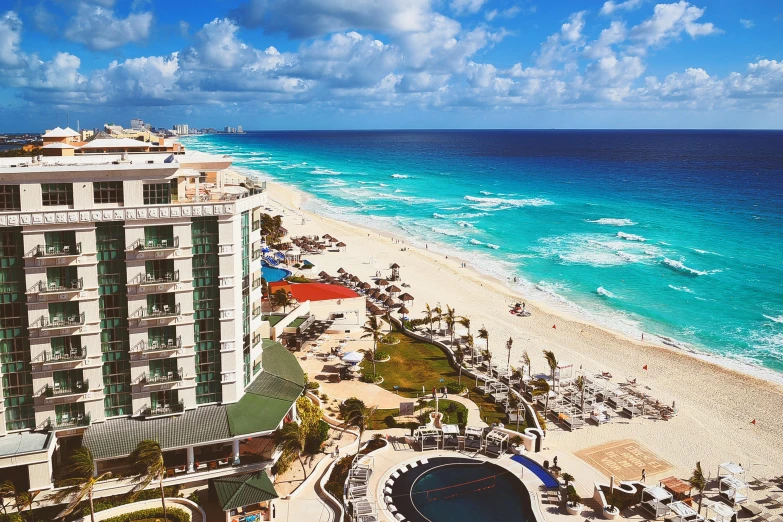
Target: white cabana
[[731, 469], [450, 436], [496, 443], [600, 414], [733, 489], [353, 358], [293, 255], [498, 391], [474, 438], [722, 512], [656, 500], [428, 437], [683, 512]]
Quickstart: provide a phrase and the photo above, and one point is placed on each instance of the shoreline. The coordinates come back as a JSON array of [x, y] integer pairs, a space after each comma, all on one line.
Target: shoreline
[[579, 315]]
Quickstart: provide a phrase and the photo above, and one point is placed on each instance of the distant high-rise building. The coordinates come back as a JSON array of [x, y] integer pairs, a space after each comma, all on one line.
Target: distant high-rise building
[[239, 128], [181, 129], [137, 124]]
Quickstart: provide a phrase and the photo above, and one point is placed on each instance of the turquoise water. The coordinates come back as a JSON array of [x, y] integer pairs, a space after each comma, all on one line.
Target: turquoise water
[[675, 234], [272, 274], [471, 492]]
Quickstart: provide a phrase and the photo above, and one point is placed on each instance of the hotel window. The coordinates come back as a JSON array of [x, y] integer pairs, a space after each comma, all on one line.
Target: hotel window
[[56, 194], [157, 193], [107, 192], [9, 197]]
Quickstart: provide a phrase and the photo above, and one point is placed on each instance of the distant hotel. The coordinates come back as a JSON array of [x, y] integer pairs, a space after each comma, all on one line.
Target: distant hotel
[[130, 308]]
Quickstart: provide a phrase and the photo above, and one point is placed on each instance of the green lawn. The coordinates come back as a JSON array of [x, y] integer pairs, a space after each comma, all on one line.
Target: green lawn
[[491, 412], [453, 413], [413, 364]]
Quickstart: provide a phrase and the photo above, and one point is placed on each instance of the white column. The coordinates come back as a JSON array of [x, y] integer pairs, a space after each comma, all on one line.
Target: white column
[[236, 452], [191, 459]]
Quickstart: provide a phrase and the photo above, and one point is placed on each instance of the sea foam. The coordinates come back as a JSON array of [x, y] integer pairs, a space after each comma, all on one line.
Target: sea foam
[[504, 203], [604, 292], [615, 222], [681, 267], [778, 319], [400, 176], [630, 237]]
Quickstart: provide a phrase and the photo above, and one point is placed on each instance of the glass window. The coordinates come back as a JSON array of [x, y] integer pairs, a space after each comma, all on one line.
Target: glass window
[[107, 192], [56, 194], [157, 193], [9, 197]]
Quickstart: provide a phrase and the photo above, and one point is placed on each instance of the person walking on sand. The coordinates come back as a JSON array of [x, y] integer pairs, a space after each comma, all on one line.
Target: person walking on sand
[[644, 475]]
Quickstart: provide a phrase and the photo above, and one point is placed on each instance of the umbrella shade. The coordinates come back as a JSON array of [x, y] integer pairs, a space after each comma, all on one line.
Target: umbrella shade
[[382, 282], [393, 290], [406, 297], [377, 311], [341, 270], [389, 301], [322, 273], [332, 240], [403, 310], [326, 236], [353, 357], [382, 297], [355, 279], [366, 286], [341, 244], [321, 247], [395, 265]]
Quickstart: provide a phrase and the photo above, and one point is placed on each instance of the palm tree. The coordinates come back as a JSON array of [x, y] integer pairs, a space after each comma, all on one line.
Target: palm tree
[[465, 321], [438, 311], [7, 491], [80, 482], [541, 387], [291, 438], [281, 299], [356, 415], [567, 478], [508, 347], [469, 341], [698, 481], [551, 360], [459, 358], [428, 315], [484, 334], [488, 355], [581, 385], [24, 500], [526, 361], [451, 320], [147, 466], [372, 328]]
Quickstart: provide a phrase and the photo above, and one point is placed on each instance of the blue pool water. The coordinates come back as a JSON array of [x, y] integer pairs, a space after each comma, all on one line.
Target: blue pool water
[[538, 470], [671, 233], [272, 274], [483, 492]]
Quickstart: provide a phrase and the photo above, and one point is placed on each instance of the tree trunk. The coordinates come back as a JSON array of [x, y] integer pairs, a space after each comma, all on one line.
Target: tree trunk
[[359, 441], [92, 508], [163, 499], [304, 471], [460, 376], [374, 347], [546, 405]]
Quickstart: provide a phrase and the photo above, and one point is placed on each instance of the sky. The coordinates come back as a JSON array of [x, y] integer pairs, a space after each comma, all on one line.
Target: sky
[[358, 64]]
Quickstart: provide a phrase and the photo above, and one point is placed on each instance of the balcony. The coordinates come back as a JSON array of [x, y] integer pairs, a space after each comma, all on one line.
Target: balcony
[[256, 340], [70, 321], [256, 225], [158, 345], [66, 422], [256, 254], [160, 378], [159, 278], [58, 250], [74, 354], [164, 409], [162, 311], [256, 283], [58, 286], [171, 243], [64, 389], [256, 311]]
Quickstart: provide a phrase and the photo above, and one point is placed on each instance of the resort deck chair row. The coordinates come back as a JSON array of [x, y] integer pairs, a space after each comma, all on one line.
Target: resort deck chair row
[[550, 497]]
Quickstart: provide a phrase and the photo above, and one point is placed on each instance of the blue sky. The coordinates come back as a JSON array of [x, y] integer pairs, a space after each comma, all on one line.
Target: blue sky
[[323, 64]]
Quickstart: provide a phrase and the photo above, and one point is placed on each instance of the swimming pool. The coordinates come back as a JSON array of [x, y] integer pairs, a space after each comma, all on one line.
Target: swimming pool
[[446, 489], [272, 274]]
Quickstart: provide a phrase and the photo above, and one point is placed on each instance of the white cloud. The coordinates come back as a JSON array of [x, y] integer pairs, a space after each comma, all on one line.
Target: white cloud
[[747, 24], [466, 6], [610, 7], [602, 46], [560, 46], [99, 29], [669, 21], [310, 18], [10, 38], [572, 30], [509, 13]]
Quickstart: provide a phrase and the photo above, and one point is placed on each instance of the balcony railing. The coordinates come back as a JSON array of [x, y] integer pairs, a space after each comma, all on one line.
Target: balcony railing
[[156, 345], [256, 254], [69, 388], [161, 378], [58, 249], [256, 283], [256, 225], [155, 244], [66, 422], [164, 409], [160, 277], [256, 311], [68, 355], [59, 285], [256, 339], [162, 311], [60, 322]]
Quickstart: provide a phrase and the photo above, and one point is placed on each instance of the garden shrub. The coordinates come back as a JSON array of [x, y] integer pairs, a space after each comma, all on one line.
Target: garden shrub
[[172, 513]]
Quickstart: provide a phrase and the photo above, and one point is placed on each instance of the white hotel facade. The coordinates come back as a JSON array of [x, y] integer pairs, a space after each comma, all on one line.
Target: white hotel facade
[[129, 293]]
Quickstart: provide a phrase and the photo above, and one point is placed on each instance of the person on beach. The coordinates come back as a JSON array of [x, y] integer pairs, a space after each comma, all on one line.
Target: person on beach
[[434, 393], [644, 475]]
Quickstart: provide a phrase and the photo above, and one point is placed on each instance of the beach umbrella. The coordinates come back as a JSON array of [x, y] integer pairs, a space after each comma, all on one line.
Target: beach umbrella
[[403, 311], [389, 302], [341, 270], [326, 236], [366, 286], [395, 265], [341, 244], [393, 290], [333, 240], [352, 358], [382, 282], [381, 296], [377, 311], [406, 297], [356, 279], [323, 273]]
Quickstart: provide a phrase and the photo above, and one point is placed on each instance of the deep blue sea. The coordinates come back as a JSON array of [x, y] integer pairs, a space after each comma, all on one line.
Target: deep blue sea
[[672, 233]]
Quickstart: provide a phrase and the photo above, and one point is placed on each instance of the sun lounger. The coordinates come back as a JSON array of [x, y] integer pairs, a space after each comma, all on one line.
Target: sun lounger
[[752, 509]]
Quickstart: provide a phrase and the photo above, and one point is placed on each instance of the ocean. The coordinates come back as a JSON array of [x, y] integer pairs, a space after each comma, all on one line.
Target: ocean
[[677, 234]]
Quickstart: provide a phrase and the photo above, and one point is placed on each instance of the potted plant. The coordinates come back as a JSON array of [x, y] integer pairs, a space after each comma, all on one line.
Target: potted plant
[[573, 501], [610, 509], [516, 444]]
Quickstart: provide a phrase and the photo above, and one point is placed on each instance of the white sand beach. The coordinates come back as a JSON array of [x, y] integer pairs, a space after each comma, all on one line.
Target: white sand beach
[[716, 405]]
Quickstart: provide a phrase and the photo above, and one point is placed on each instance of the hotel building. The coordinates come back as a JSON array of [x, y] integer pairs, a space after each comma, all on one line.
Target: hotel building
[[130, 308]]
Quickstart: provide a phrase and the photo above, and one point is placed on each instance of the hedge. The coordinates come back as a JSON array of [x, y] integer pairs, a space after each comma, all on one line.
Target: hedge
[[173, 514]]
